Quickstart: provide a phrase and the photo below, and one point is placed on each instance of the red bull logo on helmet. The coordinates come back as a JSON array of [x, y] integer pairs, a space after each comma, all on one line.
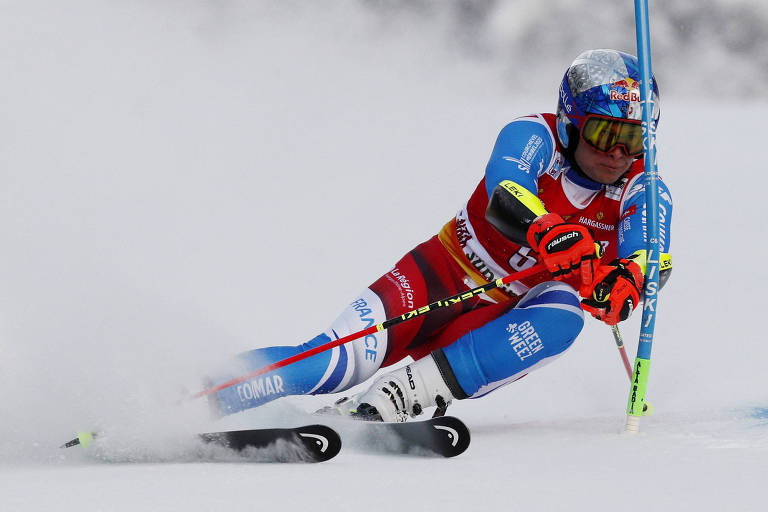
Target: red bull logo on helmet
[[631, 90]]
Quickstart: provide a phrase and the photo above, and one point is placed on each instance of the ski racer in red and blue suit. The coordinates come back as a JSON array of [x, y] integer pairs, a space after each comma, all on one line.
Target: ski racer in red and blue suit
[[563, 189]]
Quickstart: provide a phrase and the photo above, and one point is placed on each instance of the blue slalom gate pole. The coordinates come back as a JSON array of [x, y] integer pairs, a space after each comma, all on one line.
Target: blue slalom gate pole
[[653, 248]]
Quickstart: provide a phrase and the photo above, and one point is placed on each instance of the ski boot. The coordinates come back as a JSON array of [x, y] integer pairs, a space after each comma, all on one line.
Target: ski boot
[[399, 394]]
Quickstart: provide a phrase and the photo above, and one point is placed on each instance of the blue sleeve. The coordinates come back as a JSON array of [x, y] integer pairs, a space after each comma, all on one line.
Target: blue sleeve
[[523, 151], [631, 232]]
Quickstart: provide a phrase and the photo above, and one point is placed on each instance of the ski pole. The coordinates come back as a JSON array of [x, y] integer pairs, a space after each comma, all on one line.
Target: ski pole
[[386, 324], [622, 351], [639, 381], [647, 407]]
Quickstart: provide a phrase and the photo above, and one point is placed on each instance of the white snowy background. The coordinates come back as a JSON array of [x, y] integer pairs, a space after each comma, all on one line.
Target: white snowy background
[[184, 180]]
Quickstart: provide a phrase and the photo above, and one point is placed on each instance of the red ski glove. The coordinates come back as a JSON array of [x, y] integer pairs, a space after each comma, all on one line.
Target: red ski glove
[[615, 292], [564, 248]]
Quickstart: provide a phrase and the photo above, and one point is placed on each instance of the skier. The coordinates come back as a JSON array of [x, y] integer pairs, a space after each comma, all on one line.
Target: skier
[[564, 189]]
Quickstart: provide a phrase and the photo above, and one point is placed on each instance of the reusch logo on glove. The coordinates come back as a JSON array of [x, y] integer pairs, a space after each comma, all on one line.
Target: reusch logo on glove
[[564, 241]]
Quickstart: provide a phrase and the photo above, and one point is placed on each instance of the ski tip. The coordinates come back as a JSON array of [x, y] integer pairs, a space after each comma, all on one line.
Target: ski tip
[[321, 441], [314, 443], [457, 437], [442, 436]]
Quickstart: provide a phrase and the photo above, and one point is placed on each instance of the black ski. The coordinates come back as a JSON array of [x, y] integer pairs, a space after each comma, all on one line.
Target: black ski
[[309, 443], [444, 436]]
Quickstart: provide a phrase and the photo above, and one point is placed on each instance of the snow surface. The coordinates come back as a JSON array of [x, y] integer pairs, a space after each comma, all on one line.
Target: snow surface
[[182, 181]]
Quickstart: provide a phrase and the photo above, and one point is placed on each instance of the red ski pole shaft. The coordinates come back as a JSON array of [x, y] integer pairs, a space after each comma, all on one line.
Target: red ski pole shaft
[[386, 324], [620, 345]]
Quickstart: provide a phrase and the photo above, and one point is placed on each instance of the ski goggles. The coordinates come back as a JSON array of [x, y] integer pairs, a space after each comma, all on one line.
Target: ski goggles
[[606, 133]]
